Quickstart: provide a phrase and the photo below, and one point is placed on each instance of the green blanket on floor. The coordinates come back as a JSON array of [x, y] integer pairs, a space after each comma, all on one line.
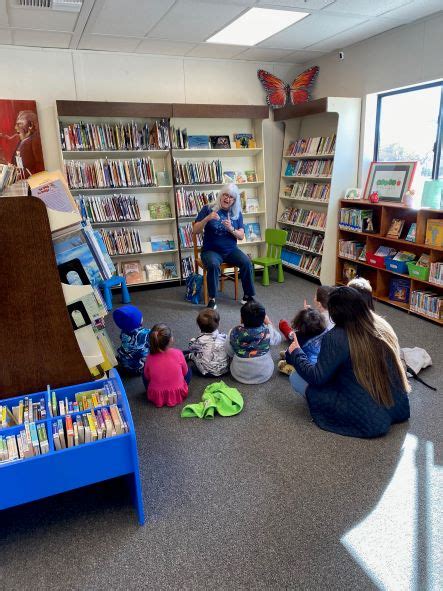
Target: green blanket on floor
[[216, 397]]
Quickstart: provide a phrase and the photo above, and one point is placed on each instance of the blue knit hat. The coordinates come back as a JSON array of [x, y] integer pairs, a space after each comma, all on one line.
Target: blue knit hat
[[127, 318]]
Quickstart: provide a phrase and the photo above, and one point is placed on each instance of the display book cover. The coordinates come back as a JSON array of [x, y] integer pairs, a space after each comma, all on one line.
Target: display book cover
[[161, 242], [399, 289], [252, 232]]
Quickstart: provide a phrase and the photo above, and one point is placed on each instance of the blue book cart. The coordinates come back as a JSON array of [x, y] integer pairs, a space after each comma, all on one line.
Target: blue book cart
[[57, 471]]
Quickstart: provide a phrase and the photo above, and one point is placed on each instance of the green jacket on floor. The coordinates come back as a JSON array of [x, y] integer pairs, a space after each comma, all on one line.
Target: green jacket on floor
[[216, 397]]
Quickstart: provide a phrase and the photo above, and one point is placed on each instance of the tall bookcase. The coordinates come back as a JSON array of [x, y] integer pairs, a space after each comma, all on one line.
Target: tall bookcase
[[197, 120], [227, 120], [325, 117], [379, 276], [70, 112]]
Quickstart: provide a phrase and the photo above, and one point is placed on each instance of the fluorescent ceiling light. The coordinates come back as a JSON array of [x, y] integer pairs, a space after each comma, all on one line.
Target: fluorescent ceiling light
[[255, 25]]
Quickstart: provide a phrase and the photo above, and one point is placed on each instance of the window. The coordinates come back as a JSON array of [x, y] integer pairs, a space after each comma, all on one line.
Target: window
[[409, 127]]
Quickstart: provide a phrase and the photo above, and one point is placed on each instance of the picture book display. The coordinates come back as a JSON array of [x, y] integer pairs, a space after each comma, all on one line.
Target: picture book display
[[244, 140], [239, 177], [132, 272], [349, 271], [252, 232], [359, 220], [434, 232], [161, 271], [399, 289], [163, 178], [162, 242], [395, 229], [220, 142], [198, 142], [410, 236], [159, 210]]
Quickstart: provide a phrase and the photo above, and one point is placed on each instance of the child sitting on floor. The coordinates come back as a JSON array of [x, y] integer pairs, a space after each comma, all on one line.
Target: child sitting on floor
[[134, 348], [249, 345], [364, 288], [320, 303], [166, 375], [207, 351], [310, 326]]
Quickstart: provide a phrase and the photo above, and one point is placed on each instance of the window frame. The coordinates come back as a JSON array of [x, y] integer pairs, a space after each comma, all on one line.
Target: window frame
[[437, 149]]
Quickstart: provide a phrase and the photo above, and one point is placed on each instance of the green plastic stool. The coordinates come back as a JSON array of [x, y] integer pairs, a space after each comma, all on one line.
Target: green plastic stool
[[275, 239]]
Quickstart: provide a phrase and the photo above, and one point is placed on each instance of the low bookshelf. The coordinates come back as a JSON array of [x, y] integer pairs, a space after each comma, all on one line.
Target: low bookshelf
[[408, 286]]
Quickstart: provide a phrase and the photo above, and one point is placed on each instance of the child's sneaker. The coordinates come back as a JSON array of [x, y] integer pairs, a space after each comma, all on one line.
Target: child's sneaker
[[285, 368]]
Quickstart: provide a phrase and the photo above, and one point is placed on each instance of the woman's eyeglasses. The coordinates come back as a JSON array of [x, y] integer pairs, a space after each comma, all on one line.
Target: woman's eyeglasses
[[229, 196]]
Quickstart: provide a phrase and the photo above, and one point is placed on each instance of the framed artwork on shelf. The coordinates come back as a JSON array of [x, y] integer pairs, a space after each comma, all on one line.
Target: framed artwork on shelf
[[390, 180], [353, 193]]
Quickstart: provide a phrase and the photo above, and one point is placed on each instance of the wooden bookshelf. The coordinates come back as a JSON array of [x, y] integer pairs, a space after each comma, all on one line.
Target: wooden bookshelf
[[380, 278], [319, 118]]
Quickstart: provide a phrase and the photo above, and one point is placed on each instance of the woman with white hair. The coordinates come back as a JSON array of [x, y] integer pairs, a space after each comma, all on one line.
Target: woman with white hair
[[222, 225]]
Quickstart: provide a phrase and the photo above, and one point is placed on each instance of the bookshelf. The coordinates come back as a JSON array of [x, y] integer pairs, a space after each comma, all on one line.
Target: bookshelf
[[109, 137], [221, 120], [313, 178], [380, 276], [52, 471]]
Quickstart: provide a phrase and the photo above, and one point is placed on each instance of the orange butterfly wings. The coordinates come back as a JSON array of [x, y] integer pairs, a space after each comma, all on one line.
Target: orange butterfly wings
[[278, 92]]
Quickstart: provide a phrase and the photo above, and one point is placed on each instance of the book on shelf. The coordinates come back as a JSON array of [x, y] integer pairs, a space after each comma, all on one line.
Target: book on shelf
[[132, 272], [399, 289], [395, 229], [252, 232], [359, 220], [349, 271], [73, 246], [162, 242], [251, 176], [194, 173], [252, 205], [306, 240], [436, 273], [220, 142], [28, 442], [308, 263], [287, 190], [434, 232], [163, 178], [427, 303], [198, 142], [121, 241], [186, 236], [385, 251], [404, 256], [160, 271], [9, 173], [350, 248], [312, 146], [244, 140], [109, 208], [169, 270], [424, 260], [107, 173], [318, 168], [362, 256], [159, 210], [188, 265], [179, 138], [240, 177], [115, 136], [410, 236], [190, 202], [304, 217], [229, 176], [310, 190]]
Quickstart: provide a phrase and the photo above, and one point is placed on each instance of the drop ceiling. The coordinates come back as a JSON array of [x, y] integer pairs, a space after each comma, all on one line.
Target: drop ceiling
[[180, 27]]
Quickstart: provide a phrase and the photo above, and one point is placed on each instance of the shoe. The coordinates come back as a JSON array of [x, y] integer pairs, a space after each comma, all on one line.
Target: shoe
[[247, 299], [211, 304], [282, 354], [285, 368]]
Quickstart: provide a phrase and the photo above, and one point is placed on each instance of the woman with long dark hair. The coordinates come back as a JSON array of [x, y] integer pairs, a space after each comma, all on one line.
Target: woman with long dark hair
[[358, 386]]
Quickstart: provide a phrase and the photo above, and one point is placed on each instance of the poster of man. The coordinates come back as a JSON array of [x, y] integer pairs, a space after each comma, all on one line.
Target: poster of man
[[20, 142]]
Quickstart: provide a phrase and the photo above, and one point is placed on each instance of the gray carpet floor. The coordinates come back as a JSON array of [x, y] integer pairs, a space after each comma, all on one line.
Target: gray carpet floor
[[263, 500]]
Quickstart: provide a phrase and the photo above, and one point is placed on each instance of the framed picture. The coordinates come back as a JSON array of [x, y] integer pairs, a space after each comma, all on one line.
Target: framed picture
[[390, 180], [353, 193]]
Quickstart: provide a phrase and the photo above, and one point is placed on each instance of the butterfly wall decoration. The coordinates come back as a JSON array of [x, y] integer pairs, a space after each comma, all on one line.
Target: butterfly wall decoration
[[278, 93]]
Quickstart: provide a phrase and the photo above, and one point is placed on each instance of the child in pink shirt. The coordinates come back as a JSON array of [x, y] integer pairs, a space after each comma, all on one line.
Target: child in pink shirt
[[166, 374]]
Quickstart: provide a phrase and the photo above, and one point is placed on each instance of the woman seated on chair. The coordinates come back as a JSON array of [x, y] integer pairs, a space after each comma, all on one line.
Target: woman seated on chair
[[222, 225]]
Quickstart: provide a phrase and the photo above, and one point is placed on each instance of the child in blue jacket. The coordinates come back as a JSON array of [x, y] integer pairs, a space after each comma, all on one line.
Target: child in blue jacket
[[134, 348], [310, 326]]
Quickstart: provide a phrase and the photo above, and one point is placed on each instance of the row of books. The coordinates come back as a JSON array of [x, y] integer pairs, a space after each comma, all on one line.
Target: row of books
[[194, 173], [186, 236], [31, 441], [306, 240], [359, 220], [239, 177], [121, 241], [182, 140], [188, 265], [350, 248], [26, 410], [428, 303], [312, 146], [308, 263], [98, 424], [309, 168], [103, 173], [308, 190], [109, 208], [436, 273], [83, 400], [305, 217], [135, 273], [115, 136], [189, 203], [8, 175]]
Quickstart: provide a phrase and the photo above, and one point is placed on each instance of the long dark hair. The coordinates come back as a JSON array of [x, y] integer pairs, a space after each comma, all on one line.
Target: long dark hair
[[159, 338], [372, 341]]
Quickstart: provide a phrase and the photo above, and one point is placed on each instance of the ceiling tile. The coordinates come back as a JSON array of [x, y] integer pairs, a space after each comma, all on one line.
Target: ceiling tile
[[290, 4], [216, 51], [163, 47], [108, 43], [190, 20], [42, 18], [5, 37], [356, 34], [310, 30], [365, 7], [300, 57], [415, 10], [129, 17], [41, 38], [262, 54]]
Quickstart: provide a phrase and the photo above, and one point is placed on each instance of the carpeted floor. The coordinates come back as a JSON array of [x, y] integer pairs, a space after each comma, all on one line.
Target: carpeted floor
[[261, 500]]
